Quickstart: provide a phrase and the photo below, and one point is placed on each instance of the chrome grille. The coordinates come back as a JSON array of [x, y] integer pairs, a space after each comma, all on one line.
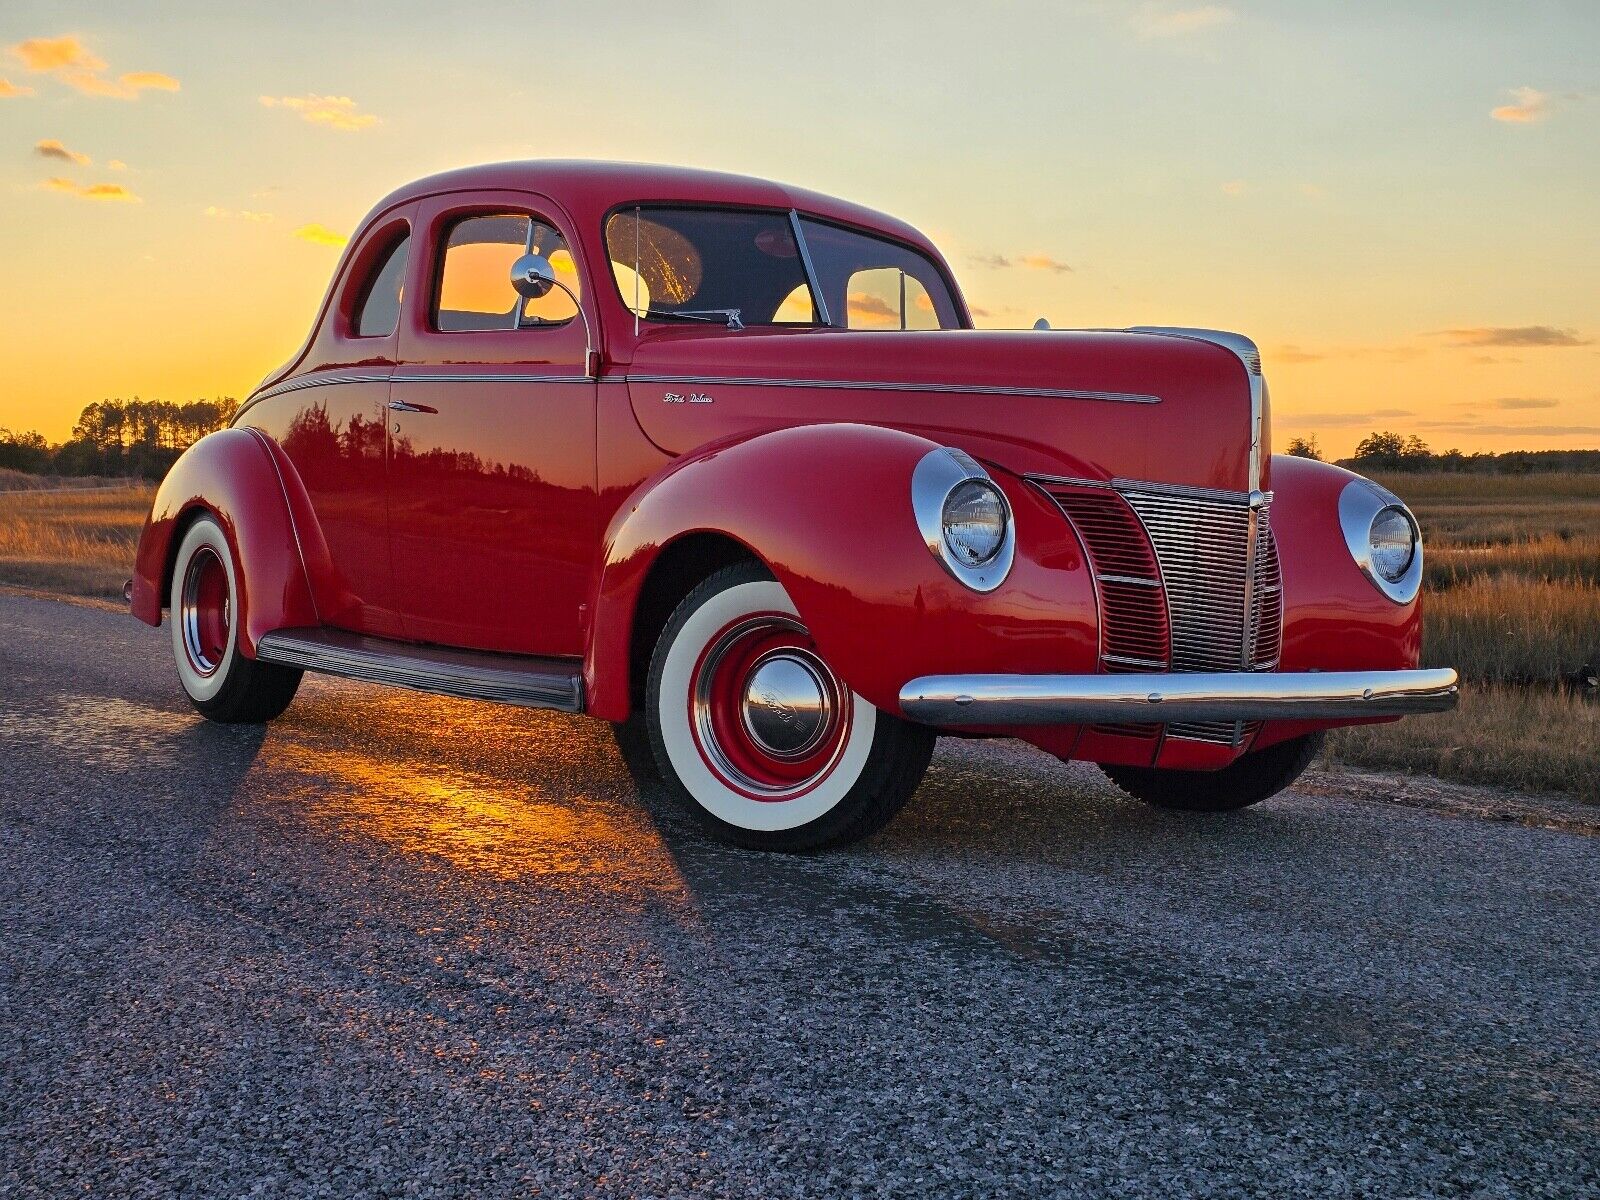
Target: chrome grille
[[1220, 582]]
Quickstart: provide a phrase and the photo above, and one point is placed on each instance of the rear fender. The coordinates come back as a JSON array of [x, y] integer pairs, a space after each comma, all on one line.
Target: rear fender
[[827, 508], [236, 476]]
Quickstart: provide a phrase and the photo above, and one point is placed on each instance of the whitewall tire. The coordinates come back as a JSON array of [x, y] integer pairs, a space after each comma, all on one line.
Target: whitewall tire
[[203, 607], [754, 733]]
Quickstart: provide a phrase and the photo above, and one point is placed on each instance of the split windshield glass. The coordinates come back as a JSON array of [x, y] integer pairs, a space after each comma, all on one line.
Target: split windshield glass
[[744, 267]]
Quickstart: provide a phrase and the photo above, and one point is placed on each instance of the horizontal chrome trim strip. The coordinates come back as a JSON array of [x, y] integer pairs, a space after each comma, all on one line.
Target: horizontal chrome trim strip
[[975, 389], [1127, 660], [505, 678], [1150, 583], [322, 379], [1221, 696], [332, 378], [485, 377]]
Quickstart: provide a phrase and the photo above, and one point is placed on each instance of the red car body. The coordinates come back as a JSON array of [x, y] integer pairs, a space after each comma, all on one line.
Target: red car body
[[551, 493]]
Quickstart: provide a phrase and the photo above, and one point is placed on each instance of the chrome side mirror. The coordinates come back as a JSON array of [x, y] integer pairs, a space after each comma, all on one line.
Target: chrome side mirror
[[534, 277]]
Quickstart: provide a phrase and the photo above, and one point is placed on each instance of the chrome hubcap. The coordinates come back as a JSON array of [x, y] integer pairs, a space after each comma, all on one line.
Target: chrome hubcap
[[786, 705]]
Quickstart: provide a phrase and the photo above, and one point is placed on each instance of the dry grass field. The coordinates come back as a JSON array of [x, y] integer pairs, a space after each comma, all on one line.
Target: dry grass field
[[75, 540], [1513, 602]]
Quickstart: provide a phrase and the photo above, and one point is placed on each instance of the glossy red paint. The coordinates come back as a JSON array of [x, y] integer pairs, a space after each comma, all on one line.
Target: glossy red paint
[[231, 475], [518, 505]]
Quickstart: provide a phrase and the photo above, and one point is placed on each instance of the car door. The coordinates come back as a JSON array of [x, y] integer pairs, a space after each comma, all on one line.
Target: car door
[[491, 472]]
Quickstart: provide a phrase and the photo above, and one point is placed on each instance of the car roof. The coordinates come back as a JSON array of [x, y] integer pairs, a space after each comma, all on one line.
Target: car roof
[[591, 188]]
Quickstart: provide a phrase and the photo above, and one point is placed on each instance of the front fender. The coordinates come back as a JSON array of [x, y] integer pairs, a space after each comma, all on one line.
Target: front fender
[[233, 475], [1334, 619], [827, 508]]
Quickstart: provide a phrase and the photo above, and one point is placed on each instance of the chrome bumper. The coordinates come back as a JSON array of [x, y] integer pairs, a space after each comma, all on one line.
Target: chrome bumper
[[1159, 699]]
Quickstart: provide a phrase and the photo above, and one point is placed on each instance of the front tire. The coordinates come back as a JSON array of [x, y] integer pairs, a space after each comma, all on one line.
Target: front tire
[[203, 606], [1248, 780], [754, 734]]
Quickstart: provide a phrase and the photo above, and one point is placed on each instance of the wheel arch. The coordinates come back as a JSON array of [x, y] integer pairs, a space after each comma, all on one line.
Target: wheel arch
[[234, 476]]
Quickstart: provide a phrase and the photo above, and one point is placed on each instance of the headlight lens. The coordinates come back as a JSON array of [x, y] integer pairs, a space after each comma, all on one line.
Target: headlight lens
[[974, 522], [1393, 539]]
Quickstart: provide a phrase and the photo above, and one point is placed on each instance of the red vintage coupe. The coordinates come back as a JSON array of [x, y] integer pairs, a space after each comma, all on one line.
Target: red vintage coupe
[[725, 464]]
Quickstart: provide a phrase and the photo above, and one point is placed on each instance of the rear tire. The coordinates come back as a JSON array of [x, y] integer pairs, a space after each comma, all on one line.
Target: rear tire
[[757, 738], [1249, 780], [220, 682]]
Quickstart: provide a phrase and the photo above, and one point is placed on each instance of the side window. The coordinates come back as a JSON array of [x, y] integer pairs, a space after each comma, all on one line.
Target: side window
[[475, 292], [379, 311], [888, 298]]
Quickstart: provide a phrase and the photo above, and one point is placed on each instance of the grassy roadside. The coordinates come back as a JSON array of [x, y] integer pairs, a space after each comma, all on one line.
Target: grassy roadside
[[77, 541]]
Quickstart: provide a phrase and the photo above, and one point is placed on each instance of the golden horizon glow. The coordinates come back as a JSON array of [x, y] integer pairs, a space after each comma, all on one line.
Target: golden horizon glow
[[1396, 204]]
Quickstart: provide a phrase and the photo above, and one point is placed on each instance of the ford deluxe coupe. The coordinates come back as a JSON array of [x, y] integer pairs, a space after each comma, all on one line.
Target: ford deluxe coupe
[[724, 463]]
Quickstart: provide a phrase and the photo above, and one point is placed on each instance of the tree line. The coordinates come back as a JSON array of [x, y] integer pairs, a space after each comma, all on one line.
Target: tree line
[[1390, 451], [119, 437]]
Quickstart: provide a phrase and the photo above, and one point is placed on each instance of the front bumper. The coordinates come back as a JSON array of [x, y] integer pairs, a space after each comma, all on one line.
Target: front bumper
[[1160, 699]]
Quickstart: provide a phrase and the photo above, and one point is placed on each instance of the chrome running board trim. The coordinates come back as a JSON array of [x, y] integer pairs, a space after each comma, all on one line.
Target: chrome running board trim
[[1164, 699], [518, 679]]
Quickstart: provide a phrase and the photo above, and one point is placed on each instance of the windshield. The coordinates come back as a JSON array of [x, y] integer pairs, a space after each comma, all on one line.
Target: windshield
[[743, 266]]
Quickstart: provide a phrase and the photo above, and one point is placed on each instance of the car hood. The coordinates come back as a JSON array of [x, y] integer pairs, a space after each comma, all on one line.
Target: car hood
[[1096, 405]]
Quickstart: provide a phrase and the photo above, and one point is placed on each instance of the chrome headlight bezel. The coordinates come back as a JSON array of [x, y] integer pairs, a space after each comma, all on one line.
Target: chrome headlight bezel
[[1360, 505], [936, 477]]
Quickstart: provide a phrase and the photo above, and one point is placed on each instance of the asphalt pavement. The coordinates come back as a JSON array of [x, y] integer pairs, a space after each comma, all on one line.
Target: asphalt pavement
[[395, 945]]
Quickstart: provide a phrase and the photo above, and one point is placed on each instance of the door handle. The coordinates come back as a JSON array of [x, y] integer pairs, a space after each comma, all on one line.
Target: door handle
[[404, 406]]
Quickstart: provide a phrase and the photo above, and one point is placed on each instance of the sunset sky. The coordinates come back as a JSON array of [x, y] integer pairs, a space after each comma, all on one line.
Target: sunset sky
[[1399, 201]]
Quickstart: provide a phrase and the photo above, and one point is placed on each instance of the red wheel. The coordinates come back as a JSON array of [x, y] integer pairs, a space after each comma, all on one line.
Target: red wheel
[[204, 609], [206, 612], [757, 734]]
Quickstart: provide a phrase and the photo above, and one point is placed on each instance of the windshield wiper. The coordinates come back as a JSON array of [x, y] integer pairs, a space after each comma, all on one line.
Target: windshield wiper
[[716, 316]]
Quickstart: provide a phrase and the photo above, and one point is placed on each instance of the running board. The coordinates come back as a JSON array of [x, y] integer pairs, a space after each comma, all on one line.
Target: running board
[[472, 674]]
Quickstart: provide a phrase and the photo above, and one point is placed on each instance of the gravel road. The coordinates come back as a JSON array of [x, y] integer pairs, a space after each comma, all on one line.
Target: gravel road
[[395, 945]]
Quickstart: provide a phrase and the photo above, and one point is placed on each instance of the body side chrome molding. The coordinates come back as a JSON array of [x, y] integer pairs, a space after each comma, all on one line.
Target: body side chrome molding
[[889, 386], [1143, 699], [333, 378], [475, 675]]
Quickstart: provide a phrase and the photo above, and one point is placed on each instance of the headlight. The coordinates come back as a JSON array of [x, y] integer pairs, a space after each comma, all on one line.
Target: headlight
[[1382, 537], [964, 518], [1393, 541], [974, 521]]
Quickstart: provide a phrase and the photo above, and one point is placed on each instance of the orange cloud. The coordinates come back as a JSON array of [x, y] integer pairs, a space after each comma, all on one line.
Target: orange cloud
[[95, 191], [990, 260], [1043, 262], [1235, 187], [9, 89], [1163, 21], [1531, 105], [55, 54], [74, 64], [116, 164], [336, 112], [320, 235], [51, 148]]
